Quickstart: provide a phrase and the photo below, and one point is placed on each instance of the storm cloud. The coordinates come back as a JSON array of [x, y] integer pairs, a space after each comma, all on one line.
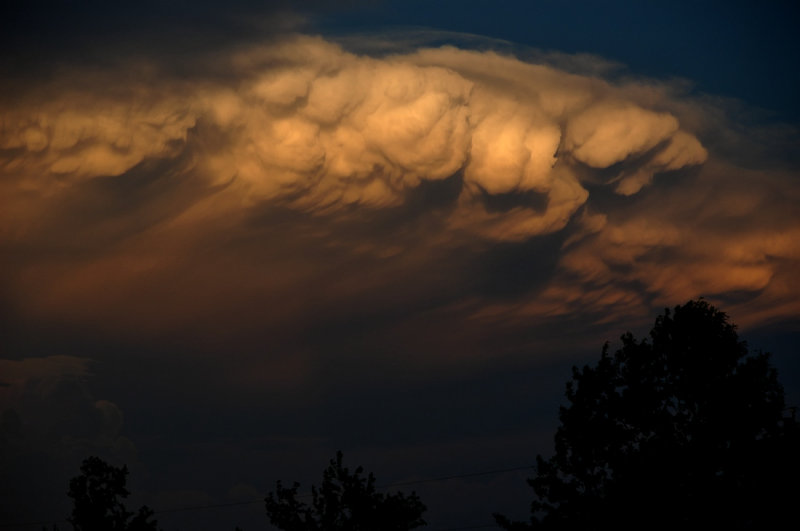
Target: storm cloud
[[281, 182], [309, 124], [282, 219], [302, 125]]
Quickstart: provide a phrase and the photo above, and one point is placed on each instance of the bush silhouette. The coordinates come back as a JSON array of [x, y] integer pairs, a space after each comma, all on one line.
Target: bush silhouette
[[686, 430], [345, 501]]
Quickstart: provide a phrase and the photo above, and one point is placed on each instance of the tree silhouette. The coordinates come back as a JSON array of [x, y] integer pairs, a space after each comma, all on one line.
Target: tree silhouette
[[97, 496], [685, 430], [344, 502]]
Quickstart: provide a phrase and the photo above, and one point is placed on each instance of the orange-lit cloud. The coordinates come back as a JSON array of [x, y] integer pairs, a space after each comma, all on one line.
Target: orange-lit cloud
[[305, 122], [296, 179]]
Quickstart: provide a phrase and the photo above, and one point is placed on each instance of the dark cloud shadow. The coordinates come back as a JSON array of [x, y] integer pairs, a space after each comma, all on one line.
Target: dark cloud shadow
[[514, 270], [504, 202]]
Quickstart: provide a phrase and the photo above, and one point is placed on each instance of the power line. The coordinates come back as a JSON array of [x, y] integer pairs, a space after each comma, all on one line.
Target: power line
[[31, 524], [210, 506], [490, 526], [387, 486], [308, 494], [446, 478]]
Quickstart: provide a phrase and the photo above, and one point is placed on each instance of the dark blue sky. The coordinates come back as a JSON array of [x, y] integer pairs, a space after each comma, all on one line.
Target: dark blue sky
[[739, 49]]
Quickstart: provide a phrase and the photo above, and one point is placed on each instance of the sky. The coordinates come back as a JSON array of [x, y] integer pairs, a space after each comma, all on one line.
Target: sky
[[236, 237]]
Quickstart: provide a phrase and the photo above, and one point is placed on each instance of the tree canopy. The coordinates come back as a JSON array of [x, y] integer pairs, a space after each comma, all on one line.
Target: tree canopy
[[344, 501], [98, 495], [685, 429]]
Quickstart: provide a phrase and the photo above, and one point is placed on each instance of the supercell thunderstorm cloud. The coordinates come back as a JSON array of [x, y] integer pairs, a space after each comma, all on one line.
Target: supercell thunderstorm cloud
[[297, 223], [303, 126]]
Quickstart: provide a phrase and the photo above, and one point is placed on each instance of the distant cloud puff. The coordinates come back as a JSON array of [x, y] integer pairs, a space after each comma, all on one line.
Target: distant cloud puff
[[49, 421]]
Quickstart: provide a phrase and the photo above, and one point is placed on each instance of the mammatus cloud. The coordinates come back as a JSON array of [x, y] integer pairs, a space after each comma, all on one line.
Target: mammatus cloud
[[265, 179], [307, 123]]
